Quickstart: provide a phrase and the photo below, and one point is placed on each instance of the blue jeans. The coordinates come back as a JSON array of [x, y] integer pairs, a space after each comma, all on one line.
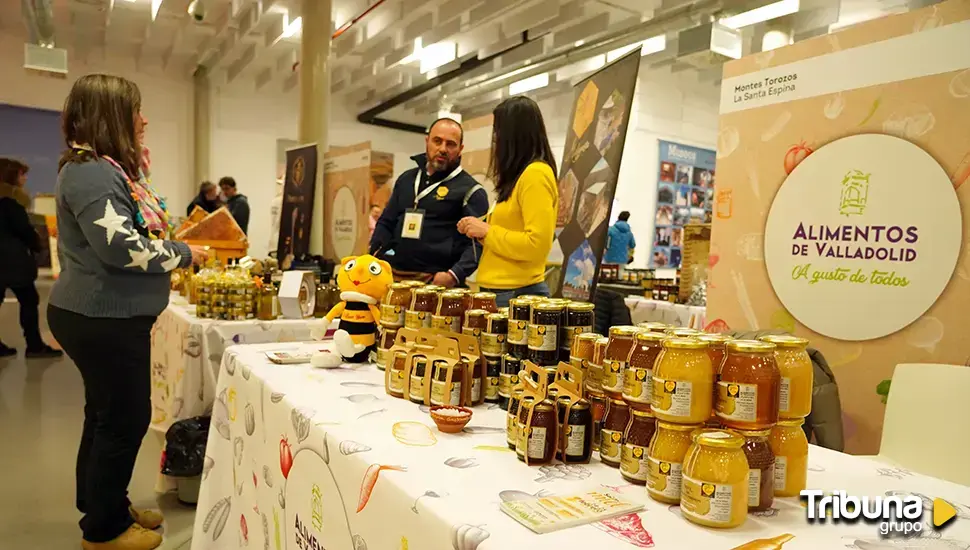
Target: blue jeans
[[502, 297]]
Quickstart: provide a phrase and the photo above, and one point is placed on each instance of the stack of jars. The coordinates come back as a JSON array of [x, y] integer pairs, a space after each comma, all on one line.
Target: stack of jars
[[224, 294], [579, 320], [392, 307], [517, 350], [492, 346], [424, 301]]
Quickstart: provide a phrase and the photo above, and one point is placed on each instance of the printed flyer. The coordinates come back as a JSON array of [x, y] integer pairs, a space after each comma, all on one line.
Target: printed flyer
[[841, 208], [685, 194]]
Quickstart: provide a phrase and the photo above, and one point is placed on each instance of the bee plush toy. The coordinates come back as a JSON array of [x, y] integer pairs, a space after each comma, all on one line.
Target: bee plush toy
[[363, 282]]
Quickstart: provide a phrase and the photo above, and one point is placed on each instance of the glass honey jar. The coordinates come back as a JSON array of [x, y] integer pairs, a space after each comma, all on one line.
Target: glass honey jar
[[682, 382], [395, 302], [638, 378], [797, 375], [485, 301], [634, 463], [544, 330], [748, 386], [615, 359], [520, 314], [790, 447], [666, 454], [611, 435], [714, 489], [594, 379], [761, 469]]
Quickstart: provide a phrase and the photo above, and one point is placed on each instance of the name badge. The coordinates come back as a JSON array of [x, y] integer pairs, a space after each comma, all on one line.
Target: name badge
[[413, 221]]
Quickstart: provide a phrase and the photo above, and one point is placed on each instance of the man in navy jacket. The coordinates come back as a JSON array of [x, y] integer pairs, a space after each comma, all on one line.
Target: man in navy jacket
[[420, 220]]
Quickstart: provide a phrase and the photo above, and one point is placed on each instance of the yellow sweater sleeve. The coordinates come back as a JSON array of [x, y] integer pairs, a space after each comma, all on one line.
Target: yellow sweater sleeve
[[538, 200]]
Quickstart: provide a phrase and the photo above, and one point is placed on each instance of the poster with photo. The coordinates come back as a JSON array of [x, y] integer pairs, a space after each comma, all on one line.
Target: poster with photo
[[685, 194]]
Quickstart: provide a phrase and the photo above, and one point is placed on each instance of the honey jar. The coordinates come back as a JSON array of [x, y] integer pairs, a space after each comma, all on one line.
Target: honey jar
[[541, 437], [761, 469], [579, 319], [443, 393], [615, 360], [682, 382], [576, 427], [417, 381], [748, 386], [544, 333], [611, 435], [395, 302], [638, 378], [666, 454], [594, 380], [715, 480], [634, 463], [520, 313], [395, 374], [790, 447], [497, 323], [485, 301], [797, 375], [512, 419]]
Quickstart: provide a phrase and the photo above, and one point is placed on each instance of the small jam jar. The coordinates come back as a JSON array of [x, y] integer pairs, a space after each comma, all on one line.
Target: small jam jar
[[484, 300], [611, 435], [638, 378], [634, 463], [617, 355]]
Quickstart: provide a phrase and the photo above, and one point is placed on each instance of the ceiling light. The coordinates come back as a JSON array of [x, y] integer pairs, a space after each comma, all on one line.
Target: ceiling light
[[436, 55], [579, 43], [156, 4], [764, 13], [529, 84], [290, 28], [651, 45]]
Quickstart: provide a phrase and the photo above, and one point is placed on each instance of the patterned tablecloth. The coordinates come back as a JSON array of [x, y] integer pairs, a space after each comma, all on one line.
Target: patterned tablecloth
[[300, 459], [186, 352], [643, 310]]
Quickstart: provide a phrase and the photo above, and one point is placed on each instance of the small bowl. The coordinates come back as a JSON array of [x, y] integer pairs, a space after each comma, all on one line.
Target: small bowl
[[450, 424]]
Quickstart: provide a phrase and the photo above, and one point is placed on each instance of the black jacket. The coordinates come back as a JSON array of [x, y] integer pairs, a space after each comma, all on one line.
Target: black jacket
[[441, 247], [18, 240], [239, 208], [611, 310], [203, 203]]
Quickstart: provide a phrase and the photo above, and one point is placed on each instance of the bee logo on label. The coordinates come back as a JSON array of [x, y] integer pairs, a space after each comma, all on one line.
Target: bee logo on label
[[670, 386], [707, 489], [637, 452], [641, 375], [616, 437], [665, 467], [441, 193]]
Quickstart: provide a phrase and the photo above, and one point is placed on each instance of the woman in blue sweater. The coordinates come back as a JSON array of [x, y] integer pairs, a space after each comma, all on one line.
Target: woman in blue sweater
[[114, 282]]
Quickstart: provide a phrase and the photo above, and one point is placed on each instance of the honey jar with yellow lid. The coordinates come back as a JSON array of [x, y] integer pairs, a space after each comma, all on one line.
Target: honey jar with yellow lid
[[748, 385], [797, 375], [653, 326], [594, 378], [714, 490], [790, 447], [638, 379], [665, 458], [615, 359], [634, 465], [683, 382], [683, 332]]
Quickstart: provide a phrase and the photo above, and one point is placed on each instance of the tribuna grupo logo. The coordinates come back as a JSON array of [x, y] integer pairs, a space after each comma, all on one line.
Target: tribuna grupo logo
[[894, 514]]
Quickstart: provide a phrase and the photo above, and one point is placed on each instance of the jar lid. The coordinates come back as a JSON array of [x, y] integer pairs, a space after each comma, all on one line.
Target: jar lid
[[602, 341], [785, 341], [677, 427], [755, 433], [750, 346], [654, 326], [484, 295], [435, 288], [413, 284], [454, 292], [720, 439], [714, 337], [643, 413], [521, 301], [791, 422], [580, 306], [591, 336], [684, 343], [476, 313], [618, 402], [496, 316], [425, 290], [650, 336], [548, 306], [623, 330], [400, 286], [683, 332], [530, 298]]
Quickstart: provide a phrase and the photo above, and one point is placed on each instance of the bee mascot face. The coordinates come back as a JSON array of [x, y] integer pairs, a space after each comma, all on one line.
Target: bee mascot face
[[363, 281]]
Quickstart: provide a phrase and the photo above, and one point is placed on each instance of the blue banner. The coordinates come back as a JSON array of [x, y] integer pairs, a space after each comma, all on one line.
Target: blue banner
[[685, 194]]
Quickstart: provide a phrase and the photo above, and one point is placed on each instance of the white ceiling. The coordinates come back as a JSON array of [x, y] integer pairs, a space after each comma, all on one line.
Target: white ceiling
[[245, 43]]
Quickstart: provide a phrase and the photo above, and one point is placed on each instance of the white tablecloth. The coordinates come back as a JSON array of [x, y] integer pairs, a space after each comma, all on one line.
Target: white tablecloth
[[643, 310], [186, 352], [300, 458]]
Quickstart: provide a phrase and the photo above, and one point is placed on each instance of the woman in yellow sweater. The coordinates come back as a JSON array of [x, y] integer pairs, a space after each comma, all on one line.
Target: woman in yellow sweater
[[518, 232]]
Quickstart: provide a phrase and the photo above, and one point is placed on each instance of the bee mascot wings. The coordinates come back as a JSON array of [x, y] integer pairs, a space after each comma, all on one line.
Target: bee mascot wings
[[363, 282]]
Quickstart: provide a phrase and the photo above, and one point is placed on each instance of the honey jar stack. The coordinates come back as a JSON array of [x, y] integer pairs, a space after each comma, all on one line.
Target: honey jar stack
[[493, 346], [392, 307]]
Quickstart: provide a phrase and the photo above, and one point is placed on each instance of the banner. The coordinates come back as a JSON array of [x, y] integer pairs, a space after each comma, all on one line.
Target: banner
[[685, 194], [587, 179], [297, 210], [354, 178], [842, 162]]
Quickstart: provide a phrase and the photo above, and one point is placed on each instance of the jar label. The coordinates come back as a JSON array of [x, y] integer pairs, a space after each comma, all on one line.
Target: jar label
[[438, 393], [493, 344], [634, 462], [572, 332], [737, 401], [754, 487], [392, 316], [638, 385], [594, 377], [511, 428], [610, 441], [536, 442], [519, 438], [710, 502], [665, 478], [784, 395], [543, 337], [613, 372], [781, 471], [491, 391], [579, 363], [396, 381], [672, 397], [518, 333], [505, 384], [416, 390], [575, 440], [417, 319], [444, 322], [476, 390]]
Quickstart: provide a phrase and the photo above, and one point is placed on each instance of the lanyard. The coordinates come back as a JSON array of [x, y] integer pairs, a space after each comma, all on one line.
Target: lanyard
[[430, 188]]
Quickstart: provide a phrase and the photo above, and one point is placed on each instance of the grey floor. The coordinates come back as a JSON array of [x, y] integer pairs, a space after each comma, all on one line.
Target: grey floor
[[41, 414]]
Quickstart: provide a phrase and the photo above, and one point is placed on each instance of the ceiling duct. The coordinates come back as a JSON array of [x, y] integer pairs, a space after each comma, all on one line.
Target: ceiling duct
[[708, 45], [39, 53]]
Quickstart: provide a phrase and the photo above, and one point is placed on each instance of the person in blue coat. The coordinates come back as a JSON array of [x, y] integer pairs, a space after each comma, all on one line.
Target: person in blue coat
[[620, 242]]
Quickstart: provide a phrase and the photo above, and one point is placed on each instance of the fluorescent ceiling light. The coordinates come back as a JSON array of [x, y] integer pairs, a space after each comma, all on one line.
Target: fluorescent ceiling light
[[764, 13], [290, 28], [651, 45], [529, 84], [437, 55], [156, 4], [580, 67]]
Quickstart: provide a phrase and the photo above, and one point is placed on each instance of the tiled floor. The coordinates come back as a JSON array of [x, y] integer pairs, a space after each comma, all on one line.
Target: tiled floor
[[41, 405]]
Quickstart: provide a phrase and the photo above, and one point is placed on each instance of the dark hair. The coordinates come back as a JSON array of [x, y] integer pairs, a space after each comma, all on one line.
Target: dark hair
[[227, 181], [624, 216], [518, 139], [205, 186], [11, 169], [461, 131], [99, 113]]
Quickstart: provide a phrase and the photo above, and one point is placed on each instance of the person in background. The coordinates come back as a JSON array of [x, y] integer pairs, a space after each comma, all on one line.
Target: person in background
[[18, 244], [237, 203], [519, 232], [114, 282], [419, 221], [620, 242], [375, 214], [207, 199]]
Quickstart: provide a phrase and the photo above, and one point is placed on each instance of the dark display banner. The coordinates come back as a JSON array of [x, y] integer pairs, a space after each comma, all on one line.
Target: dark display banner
[[297, 211], [590, 165]]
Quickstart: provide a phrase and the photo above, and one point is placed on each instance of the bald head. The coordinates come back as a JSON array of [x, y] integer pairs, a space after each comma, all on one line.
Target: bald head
[[443, 144]]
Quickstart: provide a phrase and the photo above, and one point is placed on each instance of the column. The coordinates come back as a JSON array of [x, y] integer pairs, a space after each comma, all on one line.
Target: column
[[202, 136], [315, 98]]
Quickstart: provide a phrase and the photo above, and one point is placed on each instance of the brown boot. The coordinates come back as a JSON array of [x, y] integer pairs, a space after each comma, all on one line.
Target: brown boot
[[135, 538], [149, 519]]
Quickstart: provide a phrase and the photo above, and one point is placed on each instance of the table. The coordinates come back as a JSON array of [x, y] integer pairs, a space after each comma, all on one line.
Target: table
[[642, 310], [186, 352], [301, 458]]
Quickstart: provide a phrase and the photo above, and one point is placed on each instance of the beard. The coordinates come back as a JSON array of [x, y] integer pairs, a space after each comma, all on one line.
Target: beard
[[442, 164]]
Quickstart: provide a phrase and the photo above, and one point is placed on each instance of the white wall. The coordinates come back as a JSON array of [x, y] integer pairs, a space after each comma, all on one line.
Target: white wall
[[666, 106], [166, 102]]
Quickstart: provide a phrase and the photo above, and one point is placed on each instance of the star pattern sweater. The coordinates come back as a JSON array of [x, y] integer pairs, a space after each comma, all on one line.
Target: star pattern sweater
[[109, 266]]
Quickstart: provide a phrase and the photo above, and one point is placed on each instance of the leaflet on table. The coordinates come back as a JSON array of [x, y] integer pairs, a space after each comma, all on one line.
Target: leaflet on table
[[545, 515]]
